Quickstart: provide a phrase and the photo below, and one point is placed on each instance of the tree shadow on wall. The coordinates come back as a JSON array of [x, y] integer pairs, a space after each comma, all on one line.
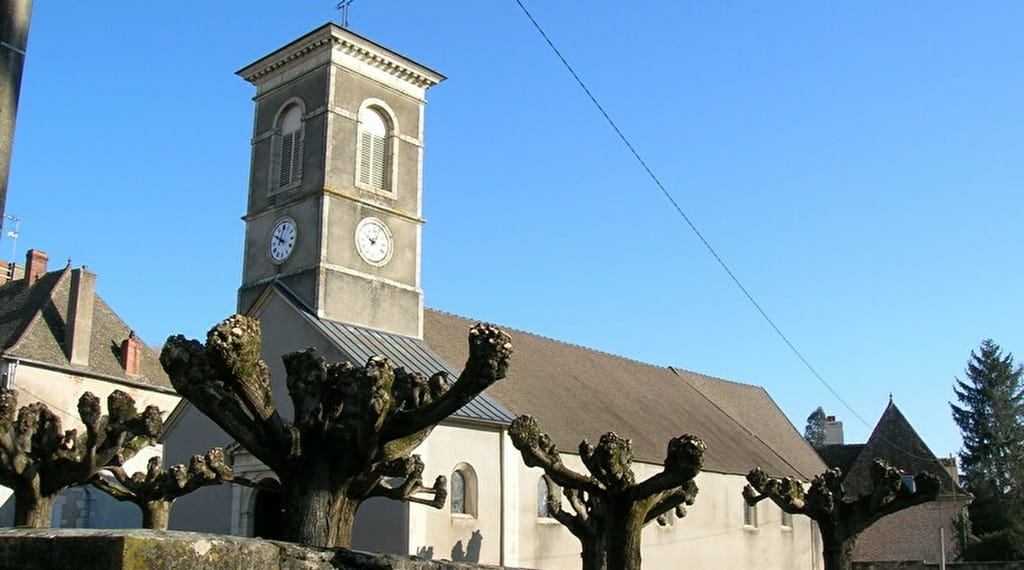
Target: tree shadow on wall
[[471, 553], [426, 552]]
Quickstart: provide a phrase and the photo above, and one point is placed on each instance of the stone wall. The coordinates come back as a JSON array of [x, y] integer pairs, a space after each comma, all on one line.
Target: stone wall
[[935, 566], [38, 549]]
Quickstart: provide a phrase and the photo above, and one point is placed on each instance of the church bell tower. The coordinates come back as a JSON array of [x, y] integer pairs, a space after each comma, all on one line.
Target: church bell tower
[[335, 184]]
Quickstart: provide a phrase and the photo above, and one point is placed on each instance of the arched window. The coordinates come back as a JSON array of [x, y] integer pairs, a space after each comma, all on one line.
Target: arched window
[[463, 490], [749, 515], [289, 146], [374, 168], [787, 520], [542, 498]]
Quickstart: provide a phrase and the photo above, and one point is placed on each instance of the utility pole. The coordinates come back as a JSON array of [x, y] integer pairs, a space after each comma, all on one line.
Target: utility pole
[[14, 19]]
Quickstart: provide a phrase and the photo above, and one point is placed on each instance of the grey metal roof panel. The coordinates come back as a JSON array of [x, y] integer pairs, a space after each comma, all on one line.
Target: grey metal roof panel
[[359, 344]]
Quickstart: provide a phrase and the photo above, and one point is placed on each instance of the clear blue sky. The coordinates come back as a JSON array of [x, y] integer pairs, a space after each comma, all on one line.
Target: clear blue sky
[[858, 165]]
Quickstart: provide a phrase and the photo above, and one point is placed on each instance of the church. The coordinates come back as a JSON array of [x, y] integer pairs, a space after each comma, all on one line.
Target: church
[[332, 259]]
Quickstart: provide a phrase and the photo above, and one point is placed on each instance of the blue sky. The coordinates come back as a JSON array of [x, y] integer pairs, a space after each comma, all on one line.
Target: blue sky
[[857, 165]]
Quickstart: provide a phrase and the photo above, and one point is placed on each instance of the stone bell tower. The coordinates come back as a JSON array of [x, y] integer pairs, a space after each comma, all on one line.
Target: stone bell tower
[[335, 184]]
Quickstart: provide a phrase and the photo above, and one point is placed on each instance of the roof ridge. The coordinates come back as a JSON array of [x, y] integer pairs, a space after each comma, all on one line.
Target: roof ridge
[[38, 311], [555, 340], [741, 424]]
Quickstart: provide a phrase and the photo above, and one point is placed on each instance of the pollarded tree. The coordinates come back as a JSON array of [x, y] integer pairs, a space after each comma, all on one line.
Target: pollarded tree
[[991, 420], [840, 518], [814, 432], [155, 491], [38, 459], [354, 427], [609, 507]]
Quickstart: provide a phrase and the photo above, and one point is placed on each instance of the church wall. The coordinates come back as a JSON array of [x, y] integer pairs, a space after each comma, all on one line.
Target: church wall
[[207, 509], [712, 535], [442, 534]]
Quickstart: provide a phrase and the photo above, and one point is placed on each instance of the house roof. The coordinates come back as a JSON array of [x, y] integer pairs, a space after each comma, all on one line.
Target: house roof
[[358, 344], [893, 440], [33, 321], [577, 393]]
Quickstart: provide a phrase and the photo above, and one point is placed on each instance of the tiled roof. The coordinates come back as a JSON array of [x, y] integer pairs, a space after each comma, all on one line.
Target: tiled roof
[[577, 393], [840, 455], [32, 327], [360, 343], [895, 441]]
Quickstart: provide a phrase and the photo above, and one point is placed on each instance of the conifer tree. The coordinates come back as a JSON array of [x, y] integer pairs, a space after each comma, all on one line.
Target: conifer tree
[[991, 421], [814, 433]]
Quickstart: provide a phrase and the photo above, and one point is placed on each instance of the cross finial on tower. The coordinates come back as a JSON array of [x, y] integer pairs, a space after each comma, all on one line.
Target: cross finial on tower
[[343, 6]]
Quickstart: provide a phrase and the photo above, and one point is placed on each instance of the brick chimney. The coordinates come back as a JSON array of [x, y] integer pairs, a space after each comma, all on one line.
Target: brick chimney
[[35, 265], [131, 354], [78, 333]]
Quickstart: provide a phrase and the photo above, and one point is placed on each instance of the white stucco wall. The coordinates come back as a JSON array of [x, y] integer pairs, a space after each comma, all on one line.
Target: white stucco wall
[[712, 535]]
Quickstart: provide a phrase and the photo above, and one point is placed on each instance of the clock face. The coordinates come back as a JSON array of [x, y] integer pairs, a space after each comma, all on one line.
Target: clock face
[[373, 241], [282, 240]]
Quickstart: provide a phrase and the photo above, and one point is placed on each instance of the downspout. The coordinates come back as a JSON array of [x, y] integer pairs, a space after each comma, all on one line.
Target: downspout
[[502, 497]]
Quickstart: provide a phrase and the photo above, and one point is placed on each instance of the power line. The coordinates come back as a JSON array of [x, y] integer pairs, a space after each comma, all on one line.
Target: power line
[[689, 222]]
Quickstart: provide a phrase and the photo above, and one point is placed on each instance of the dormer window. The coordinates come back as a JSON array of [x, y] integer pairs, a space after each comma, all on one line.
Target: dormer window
[[375, 159], [289, 147]]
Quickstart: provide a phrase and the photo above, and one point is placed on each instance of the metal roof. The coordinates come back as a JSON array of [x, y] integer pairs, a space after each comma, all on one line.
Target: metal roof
[[360, 343]]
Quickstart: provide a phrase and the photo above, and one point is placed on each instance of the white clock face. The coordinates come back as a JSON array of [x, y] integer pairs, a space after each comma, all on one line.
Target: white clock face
[[282, 240], [373, 241]]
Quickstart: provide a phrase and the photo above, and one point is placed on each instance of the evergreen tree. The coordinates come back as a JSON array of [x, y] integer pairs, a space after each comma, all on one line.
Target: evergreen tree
[[991, 421], [814, 433]]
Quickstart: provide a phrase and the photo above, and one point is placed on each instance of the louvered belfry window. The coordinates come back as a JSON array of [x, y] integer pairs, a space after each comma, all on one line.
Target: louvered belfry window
[[374, 151], [290, 162]]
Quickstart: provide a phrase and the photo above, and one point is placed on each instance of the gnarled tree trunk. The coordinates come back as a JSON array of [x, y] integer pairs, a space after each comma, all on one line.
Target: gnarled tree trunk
[[31, 509], [156, 515], [354, 427]]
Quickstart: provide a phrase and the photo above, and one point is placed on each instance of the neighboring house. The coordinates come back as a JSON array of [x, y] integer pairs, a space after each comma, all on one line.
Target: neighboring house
[[58, 340], [911, 534], [332, 260]]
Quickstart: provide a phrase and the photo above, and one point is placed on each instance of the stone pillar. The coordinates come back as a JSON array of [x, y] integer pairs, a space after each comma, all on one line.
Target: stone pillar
[[14, 19]]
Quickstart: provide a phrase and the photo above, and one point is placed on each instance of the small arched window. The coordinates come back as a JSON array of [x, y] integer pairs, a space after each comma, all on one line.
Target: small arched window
[[787, 520], [463, 490], [749, 515], [375, 161], [289, 146], [542, 498]]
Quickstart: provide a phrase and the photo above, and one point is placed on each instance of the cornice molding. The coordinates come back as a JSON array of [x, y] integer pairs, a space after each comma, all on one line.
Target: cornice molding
[[349, 44]]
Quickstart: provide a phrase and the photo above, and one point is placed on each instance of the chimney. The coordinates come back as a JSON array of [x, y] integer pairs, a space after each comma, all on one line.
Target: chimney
[[833, 431], [131, 354], [78, 333], [35, 265]]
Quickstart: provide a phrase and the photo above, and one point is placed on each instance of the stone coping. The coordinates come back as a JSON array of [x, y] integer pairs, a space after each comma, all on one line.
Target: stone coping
[[138, 549]]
